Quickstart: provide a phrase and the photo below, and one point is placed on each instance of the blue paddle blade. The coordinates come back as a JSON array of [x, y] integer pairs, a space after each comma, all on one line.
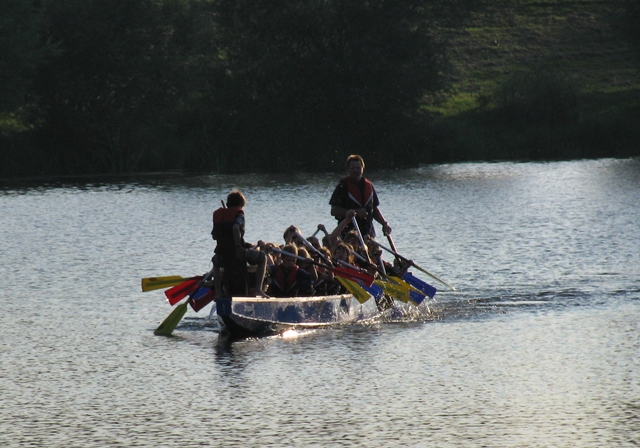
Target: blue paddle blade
[[374, 290], [416, 297], [199, 293], [426, 288]]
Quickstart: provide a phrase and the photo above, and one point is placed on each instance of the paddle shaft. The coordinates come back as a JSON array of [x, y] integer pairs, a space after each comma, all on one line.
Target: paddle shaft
[[311, 248], [393, 246], [416, 266], [364, 246], [368, 278]]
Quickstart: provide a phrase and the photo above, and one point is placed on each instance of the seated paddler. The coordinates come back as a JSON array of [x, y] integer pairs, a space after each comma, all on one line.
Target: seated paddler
[[287, 279]]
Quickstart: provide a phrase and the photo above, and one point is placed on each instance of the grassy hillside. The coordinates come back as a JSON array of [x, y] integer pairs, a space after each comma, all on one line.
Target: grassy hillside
[[574, 41], [529, 80]]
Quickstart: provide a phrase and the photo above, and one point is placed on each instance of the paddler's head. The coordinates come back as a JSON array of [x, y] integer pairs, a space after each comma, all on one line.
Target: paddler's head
[[342, 252], [355, 166], [351, 238], [289, 252], [236, 199]]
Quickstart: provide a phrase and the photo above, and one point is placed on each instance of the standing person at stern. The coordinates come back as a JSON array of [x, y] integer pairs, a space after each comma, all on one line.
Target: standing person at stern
[[232, 253], [357, 193]]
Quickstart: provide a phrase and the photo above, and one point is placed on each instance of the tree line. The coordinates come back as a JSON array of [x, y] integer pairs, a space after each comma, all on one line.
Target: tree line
[[117, 86]]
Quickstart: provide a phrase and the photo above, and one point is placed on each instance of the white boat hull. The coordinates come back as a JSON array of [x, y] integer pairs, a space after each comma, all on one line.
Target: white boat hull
[[253, 316]]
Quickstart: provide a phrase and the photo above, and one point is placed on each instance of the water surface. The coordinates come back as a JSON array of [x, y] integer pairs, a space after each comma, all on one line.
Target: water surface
[[537, 347]]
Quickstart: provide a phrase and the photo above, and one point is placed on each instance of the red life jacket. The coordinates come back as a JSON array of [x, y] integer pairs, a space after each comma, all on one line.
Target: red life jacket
[[223, 219], [360, 197], [288, 282]]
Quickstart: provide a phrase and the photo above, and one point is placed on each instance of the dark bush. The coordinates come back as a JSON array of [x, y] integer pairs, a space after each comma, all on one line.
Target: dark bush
[[540, 96]]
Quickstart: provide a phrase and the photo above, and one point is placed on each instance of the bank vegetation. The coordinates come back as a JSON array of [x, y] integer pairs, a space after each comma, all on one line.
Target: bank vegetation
[[103, 86]]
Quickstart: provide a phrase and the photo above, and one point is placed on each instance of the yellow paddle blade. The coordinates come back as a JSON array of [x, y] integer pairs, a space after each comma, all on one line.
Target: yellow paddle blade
[[152, 283], [404, 284], [360, 294], [172, 320], [409, 287], [396, 290]]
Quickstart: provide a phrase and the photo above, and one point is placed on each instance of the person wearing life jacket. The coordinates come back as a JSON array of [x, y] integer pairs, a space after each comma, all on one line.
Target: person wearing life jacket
[[287, 278], [355, 192], [326, 284], [306, 284], [231, 252]]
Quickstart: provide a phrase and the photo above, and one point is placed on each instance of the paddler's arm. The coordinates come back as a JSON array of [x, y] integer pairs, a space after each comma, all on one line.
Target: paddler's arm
[[341, 212], [311, 269], [237, 238], [378, 216], [333, 238]]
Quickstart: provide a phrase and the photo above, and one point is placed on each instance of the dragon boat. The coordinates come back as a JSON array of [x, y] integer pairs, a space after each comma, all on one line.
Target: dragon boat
[[256, 316], [368, 299]]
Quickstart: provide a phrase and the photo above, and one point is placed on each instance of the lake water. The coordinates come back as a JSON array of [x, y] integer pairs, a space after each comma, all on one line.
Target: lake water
[[539, 346]]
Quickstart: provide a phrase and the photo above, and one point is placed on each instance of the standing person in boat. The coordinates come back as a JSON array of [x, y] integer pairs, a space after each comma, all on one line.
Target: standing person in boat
[[355, 192], [232, 253]]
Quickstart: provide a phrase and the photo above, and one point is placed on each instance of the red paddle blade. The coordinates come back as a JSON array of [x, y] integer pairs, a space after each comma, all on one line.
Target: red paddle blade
[[351, 274], [202, 300], [179, 292]]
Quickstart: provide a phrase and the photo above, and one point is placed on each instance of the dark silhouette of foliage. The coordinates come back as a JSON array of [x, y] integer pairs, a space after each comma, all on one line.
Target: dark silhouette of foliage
[[20, 52], [628, 22], [541, 96], [217, 85], [313, 80], [104, 98]]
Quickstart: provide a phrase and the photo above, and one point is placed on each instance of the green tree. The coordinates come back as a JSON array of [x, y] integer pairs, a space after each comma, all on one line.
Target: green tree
[[20, 52], [108, 96], [629, 22], [313, 80]]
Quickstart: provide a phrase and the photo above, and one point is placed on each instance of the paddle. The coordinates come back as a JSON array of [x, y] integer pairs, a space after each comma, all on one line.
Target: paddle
[[171, 322], [153, 283], [354, 289], [201, 298], [416, 266], [393, 246], [393, 286], [364, 246], [394, 290], [179, 292], [311, 248], [349, 274], [424, 287]]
